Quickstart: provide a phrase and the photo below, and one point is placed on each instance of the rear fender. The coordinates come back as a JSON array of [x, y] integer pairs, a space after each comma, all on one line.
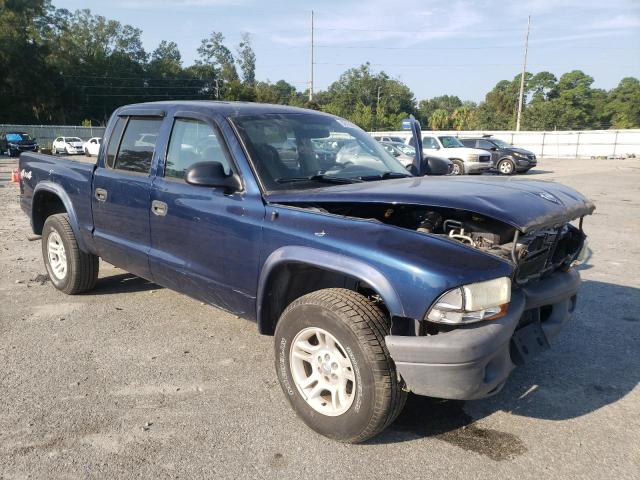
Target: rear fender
[[57, 190]]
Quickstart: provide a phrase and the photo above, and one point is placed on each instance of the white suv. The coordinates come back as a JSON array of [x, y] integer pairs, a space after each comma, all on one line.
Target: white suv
[[68, 145], [465, 160]]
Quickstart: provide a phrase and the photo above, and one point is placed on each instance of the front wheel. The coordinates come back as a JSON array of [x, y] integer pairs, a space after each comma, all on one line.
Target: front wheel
[[334, 367], [458, 167], [505, 167], [70, 269]]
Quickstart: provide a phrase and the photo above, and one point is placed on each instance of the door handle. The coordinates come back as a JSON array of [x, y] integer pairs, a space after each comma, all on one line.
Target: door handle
[[159, 208], [101, 194]]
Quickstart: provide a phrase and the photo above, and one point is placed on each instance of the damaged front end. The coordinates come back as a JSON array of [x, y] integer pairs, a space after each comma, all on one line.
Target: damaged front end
[[535, 254]]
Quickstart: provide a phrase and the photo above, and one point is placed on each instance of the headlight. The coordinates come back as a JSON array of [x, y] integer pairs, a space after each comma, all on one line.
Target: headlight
[[12, 144], [472, 303], [472, 156]]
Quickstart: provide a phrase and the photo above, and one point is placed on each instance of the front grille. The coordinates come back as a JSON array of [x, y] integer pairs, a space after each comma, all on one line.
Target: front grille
[[546, 251], [484, 158], [531, 156]]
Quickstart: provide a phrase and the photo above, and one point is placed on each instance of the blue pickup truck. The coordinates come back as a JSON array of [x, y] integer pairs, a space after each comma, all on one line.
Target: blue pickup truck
[[374, 281]]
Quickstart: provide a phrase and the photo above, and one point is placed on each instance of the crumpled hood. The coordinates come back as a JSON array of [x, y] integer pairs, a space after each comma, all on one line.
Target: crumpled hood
[[523, 204]]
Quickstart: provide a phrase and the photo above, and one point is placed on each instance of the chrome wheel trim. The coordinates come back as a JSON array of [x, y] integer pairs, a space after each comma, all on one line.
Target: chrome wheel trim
[[322, 371], [456, 169], [57, 255], [505, 167]]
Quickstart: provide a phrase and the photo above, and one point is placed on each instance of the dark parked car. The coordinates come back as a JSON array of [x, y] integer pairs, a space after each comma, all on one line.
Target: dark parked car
[[14, 143], [505, 158], [374, 282]]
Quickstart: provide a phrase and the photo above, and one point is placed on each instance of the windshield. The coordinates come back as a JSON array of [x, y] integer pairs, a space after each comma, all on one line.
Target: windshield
[[72, 139], [17, 137], [305, 150], [450, 142], [501, 143]]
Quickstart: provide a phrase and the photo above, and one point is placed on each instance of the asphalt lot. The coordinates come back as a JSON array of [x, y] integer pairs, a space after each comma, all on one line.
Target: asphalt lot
[[133, 380]]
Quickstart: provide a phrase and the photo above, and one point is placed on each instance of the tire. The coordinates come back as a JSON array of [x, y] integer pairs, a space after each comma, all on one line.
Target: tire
[[506, 167], [86, 153], [357, 326], [458, 167], [71, 270]]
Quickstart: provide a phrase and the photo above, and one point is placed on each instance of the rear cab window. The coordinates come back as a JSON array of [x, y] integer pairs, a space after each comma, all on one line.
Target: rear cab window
[[132, 143]]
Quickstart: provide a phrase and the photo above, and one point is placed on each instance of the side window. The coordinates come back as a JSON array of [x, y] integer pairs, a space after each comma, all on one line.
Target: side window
[[137, 145], [193, 141], [114, 141], [484, 144], [429, 142]]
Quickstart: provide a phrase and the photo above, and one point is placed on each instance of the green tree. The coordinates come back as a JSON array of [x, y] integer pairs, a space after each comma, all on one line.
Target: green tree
[[444, 102], [370, 100], [463, 118], [439, 119], [622, 108], [166, 61], [247, 60], [215, 54], [28, 82]]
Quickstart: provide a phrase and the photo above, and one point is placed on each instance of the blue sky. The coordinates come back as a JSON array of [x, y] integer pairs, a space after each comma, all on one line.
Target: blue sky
[[458, 47]]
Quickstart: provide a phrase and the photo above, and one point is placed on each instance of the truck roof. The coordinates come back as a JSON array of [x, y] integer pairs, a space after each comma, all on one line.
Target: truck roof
[[223, 107]]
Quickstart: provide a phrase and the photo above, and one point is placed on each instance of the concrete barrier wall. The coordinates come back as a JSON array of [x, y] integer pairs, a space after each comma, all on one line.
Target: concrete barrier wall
[[585, 143], [46, 134]]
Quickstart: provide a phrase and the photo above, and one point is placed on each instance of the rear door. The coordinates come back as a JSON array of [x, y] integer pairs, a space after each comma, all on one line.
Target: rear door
[[121, 191], [204, 242]]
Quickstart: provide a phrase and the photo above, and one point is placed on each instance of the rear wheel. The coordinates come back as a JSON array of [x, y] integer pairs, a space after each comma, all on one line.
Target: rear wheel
[[70, 269], [458, 167], [334, 366]]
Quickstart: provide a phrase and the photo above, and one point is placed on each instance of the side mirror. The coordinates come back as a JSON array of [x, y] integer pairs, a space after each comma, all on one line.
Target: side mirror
[[212, 174], [434, 166], [494, 149]]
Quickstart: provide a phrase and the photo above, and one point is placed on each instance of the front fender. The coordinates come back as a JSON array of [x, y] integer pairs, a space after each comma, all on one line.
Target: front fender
[[329, 261], [47, 186]]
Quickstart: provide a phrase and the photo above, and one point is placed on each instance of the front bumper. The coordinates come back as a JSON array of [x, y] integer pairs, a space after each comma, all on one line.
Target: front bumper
[[476, 167], [525, 163], [475, 361]]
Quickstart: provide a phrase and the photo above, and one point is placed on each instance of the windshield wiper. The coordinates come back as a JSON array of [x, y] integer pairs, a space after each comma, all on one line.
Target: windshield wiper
[[321, 177], [384, 176]]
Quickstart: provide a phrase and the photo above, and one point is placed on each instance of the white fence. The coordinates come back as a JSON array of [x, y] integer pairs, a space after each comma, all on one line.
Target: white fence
[[45, 134], [559, 144]]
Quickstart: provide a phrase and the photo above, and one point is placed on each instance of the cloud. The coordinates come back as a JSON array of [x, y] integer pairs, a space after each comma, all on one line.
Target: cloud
[[618, 22], [176, 4], [415, 22]]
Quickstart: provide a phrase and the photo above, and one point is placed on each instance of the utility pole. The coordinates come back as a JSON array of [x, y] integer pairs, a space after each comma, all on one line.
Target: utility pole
[[377, 106], [311, 81], [524, 69]]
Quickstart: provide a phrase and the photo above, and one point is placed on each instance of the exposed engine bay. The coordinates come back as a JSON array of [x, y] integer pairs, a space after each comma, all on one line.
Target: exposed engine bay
[[535, 253]]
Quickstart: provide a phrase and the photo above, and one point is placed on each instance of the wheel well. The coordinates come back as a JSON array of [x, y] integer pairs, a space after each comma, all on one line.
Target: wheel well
[[45, 204], [290, 281]]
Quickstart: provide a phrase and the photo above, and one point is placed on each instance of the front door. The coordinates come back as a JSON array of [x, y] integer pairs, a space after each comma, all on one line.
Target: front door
[[204, 242], [121, 191], [491, 148]]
